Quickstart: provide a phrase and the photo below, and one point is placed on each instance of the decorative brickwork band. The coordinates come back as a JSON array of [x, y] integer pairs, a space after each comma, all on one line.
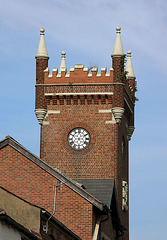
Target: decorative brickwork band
[[118, 113], [40, 114], [78, 99]]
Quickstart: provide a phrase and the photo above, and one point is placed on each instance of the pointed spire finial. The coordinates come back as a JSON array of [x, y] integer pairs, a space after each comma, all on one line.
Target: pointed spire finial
[[129, 67], [63, 67], [42, 50], [118, 49]]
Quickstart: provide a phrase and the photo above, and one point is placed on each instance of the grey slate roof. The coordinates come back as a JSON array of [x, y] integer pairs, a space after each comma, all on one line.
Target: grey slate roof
[[101, 189]]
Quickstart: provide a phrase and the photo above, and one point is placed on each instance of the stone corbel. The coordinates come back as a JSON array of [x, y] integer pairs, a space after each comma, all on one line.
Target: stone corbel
[[40, 114], [118, 113]]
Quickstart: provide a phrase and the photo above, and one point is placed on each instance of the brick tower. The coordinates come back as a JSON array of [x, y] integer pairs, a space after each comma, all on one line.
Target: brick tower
[[87, 119]]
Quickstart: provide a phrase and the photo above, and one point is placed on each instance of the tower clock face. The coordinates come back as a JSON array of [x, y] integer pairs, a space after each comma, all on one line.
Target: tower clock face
[[78, 138]]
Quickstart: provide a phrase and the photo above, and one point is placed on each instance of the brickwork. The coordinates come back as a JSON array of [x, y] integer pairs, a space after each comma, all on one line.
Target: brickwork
[[102, 103], [41, 65], [25, 179], [97, 160], [85, 99], [131, 83], [55, 231], [78, 75], [79, 99], [107, 229], [123, 97], [78, 88], [118, 99], [118, 70], [40, 101], [123, 172]]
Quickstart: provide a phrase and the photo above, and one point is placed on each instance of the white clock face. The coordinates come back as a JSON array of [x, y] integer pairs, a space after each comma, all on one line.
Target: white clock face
[[78, 138]]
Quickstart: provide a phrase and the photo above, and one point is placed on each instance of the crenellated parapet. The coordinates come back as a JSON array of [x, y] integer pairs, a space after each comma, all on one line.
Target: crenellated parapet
[[78, 75], [86, 86]]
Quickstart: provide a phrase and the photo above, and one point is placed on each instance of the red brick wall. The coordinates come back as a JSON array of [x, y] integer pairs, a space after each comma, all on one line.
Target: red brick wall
[[103, 157], [123, 173], [41, 65], [118, 69], [25, 179], [54, 231], [78, 76], [97, 160], [108, 229]]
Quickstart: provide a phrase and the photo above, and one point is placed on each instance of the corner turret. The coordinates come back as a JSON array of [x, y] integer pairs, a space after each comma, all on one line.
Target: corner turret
[[41, 64], [118, 66], [131, 81]]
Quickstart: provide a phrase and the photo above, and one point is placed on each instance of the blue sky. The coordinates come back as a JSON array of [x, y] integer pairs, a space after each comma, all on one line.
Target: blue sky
[[86, 31]]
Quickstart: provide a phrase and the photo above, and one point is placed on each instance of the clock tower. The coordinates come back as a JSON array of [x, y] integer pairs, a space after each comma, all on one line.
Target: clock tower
[[87, 119]]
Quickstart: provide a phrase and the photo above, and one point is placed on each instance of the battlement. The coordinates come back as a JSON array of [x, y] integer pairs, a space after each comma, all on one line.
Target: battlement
[[86, 85], [78, 74]]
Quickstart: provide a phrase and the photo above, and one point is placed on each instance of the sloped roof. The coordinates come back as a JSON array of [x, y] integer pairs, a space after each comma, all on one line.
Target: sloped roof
[[11, 222], [43, 211], [101, 189], [54, 172], [104, 190], [99, 192]]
